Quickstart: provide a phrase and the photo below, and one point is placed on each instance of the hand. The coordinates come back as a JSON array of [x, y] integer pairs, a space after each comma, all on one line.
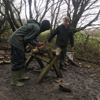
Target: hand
[[72, 48], [39, 44], [47, 42]]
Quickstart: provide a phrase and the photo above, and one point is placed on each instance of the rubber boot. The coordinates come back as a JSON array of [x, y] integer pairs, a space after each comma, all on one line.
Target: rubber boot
[[21, 75], [14, 78]]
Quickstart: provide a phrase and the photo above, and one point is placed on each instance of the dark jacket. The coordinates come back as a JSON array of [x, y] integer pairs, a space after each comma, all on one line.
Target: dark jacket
[[63, 35], [25, 34]]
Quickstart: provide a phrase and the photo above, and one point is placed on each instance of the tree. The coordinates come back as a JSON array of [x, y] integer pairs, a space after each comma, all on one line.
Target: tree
[[78, 11], [81, 10]]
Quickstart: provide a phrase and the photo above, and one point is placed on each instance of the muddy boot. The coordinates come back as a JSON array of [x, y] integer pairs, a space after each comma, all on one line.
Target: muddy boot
[[21, 75], [14, 78], [62, 67]]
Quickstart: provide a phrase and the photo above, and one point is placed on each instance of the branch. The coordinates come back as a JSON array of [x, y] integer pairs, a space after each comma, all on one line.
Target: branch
[[45, 10], [91, 21], [25, 10], [17, 13]]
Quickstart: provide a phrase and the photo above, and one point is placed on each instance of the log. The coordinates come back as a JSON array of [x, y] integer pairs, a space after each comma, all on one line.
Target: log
[[73, 62], [1, 62], [91, 61], [7, 61], [37, 71], [2, 57]]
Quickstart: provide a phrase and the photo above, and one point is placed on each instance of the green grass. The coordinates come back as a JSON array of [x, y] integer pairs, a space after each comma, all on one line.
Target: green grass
[[90, 51]]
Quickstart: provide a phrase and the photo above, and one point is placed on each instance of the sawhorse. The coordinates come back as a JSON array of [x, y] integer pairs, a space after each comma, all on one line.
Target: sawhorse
[[51, 60]]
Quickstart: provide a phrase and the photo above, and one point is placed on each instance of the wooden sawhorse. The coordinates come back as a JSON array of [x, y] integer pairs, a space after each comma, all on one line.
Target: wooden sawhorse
[[51, 60]]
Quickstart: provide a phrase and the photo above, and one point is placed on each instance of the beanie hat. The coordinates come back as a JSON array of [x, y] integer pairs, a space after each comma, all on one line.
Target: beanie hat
[[45, 25]]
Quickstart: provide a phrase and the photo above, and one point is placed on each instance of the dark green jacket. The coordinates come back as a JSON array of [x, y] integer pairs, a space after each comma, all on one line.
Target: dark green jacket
[[25, 34], [63, 35]]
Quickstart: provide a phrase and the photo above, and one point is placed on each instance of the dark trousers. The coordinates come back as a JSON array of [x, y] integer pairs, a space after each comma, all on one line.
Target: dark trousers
[[62, 55], [17, 58]]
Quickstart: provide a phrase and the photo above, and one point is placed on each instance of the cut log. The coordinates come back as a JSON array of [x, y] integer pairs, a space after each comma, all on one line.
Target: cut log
[[73, 62], [91, 61], [7, 61], [2, 57], [1, 62], [56, 51], [2, 52], [37, 71]]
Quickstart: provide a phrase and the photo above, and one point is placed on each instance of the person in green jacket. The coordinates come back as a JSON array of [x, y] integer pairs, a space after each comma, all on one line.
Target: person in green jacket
[[19, 39]]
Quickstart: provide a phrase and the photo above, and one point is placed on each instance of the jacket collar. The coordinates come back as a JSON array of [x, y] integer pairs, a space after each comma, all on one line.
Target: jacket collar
[[66, 27]]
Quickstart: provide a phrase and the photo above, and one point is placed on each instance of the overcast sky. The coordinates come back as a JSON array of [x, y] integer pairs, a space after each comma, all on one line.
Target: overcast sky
[[95, 10]]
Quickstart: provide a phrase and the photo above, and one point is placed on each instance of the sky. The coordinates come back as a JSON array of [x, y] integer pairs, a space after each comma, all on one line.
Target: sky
[[61, 14]]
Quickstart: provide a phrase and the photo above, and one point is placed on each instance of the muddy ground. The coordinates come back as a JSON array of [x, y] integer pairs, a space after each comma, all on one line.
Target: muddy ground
[[83, 81]]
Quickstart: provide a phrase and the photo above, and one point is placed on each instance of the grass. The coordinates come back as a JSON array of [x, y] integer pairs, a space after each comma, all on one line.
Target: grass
[[90, 51]]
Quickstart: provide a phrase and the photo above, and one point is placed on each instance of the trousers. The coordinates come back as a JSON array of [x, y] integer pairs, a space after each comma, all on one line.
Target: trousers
[[17, 58]]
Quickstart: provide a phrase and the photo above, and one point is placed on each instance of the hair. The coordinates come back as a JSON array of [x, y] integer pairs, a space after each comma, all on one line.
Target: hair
[[66, 19]]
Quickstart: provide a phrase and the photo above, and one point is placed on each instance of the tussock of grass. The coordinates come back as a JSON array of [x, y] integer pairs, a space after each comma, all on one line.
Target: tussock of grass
[[90, 50]]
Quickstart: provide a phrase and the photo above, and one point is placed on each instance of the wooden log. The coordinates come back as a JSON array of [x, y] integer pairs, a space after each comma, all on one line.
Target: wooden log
[[42, 58], [2, 57], [40, 62], [56, 51], [91, 61], [29, 60], [1, 62], [7, 61], [55, 65], [45, 70], [2, 52], [37, 71], [74, 63]]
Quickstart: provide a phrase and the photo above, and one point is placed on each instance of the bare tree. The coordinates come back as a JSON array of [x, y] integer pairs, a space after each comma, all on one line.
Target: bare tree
[[81, 10], [30, 11]]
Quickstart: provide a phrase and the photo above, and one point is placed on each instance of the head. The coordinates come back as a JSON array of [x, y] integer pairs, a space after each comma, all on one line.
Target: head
[[66, 21], [45, 25]]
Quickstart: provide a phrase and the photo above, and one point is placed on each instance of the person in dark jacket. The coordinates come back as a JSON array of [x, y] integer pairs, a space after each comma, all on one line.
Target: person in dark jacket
[[20, 38], [64, 33]]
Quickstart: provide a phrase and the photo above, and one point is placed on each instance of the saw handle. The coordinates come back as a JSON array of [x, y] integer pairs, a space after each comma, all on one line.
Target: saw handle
[[41, 46]]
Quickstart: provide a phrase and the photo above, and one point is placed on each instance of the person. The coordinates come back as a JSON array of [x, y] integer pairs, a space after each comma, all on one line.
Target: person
[[64, 33], [19, 39]]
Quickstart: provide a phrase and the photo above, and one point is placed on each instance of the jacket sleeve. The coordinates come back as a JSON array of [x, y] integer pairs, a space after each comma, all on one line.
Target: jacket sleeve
[[71, 39], [32, 34], [34, 42], [53, 34]]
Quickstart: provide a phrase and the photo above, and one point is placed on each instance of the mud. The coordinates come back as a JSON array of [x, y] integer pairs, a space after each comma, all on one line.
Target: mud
[[84, 83]]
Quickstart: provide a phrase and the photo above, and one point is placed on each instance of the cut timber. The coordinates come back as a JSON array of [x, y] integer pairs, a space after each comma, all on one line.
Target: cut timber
[[45, 70], [91, 61], [29, 60], [2, 57], [2, 52], [53, 62], [7, 61], [1, 62], [55, 65], [36, 50], [73, 62], [48, 56], [41, 57], [57, 51], [37, 71]]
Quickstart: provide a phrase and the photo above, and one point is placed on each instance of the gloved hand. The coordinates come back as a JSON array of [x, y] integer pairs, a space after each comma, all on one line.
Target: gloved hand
[[39, 44]]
